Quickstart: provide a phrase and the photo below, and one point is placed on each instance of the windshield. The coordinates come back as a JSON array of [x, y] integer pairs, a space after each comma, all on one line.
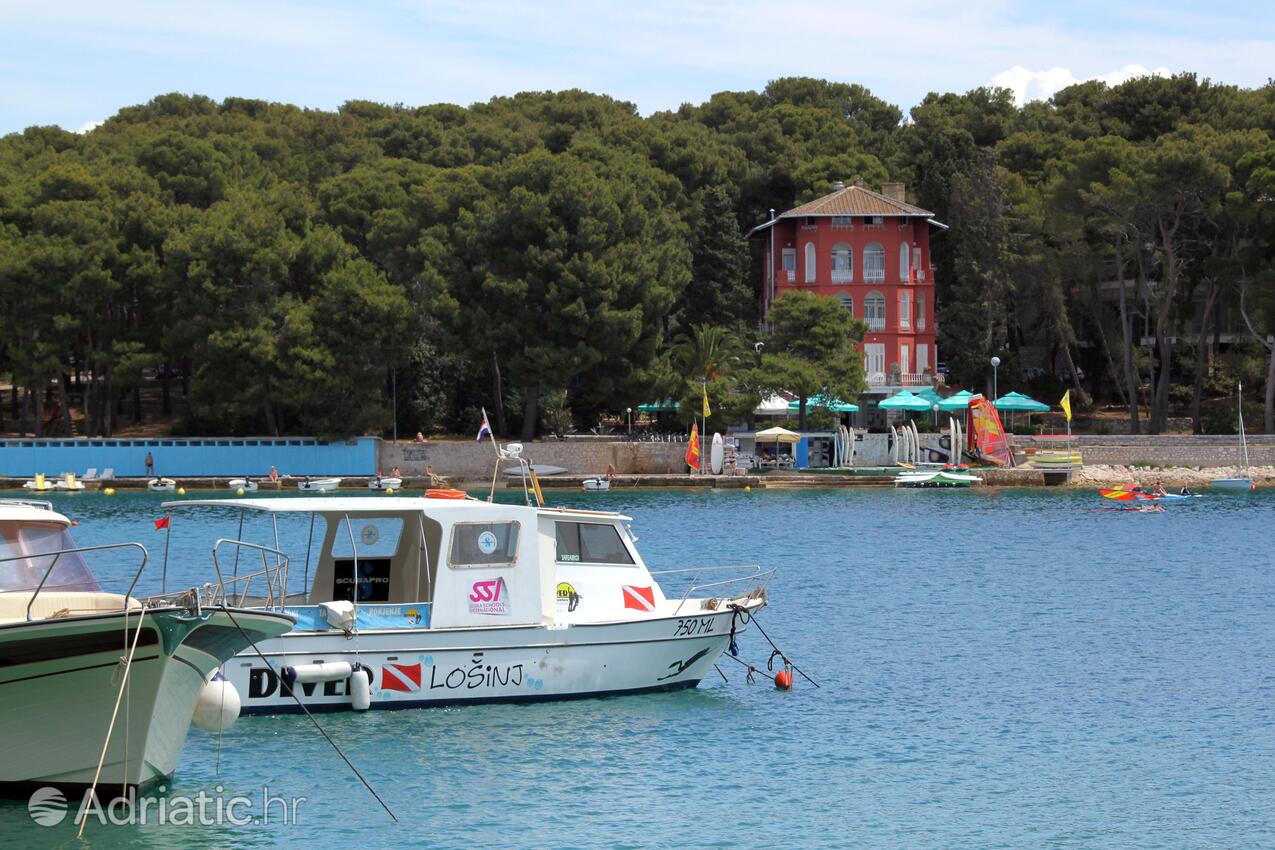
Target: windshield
[[24, 543]]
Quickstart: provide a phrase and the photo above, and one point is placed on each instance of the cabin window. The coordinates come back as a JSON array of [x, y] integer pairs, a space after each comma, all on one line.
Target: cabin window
[[483, 544], [33, 540], [374, 537], [590, 543]]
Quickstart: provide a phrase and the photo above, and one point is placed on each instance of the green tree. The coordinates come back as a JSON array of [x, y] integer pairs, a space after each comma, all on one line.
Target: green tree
[[812, 349]]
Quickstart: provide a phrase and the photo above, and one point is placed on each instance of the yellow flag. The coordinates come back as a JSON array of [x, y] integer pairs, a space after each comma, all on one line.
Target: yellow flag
[[708, 411], [1066, 404]]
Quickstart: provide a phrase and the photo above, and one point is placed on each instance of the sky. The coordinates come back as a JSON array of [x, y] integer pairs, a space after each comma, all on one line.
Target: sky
[[75, 63]]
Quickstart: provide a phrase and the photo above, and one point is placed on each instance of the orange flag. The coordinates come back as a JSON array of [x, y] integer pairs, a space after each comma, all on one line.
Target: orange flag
[[692, 448]]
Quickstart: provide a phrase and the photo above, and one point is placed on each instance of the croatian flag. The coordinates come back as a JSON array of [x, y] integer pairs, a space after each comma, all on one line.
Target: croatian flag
[[486, 427]]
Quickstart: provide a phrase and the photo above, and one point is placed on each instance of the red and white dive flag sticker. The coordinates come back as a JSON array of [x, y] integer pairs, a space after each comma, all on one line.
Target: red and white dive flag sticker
[[638, 598], [401, 677]]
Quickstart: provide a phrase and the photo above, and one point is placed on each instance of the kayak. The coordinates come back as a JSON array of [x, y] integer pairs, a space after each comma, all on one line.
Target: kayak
[[1122, 495]]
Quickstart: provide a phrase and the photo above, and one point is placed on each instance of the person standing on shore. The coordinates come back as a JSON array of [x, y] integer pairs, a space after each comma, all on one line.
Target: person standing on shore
[[150, 464]]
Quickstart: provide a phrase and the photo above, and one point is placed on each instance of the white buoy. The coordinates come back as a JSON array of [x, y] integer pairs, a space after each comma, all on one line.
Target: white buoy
[[217, 707], [331, 672], [361, 690]]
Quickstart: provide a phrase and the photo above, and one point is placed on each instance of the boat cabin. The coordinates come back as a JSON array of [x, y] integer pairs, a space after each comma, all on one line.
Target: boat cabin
[[412, 562]]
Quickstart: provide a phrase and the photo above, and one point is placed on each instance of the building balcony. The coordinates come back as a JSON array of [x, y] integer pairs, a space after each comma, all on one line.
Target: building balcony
[[789, 276], [842, 276], [875, 324], [873, 275], [899, 380]]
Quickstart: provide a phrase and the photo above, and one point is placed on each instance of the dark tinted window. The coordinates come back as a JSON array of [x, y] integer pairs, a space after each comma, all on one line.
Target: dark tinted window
[[590, 543]]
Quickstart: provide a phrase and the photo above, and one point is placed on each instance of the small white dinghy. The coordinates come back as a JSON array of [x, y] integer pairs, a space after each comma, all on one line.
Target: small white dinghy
[[245, 484], [595, 484], [385, 482], [161, 485], [318, 485]]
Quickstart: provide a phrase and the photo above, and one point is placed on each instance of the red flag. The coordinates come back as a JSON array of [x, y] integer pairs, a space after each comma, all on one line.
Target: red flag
[[162, 522], [638, 598], [401, 677], [692, 448]]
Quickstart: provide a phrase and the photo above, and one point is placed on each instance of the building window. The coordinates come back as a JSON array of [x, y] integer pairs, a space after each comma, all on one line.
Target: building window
[[874, 363], [842, 222], [873, 263], [905, 260], [846, 301], [920, 311], [810, 262], [790, 264], [842, 263], [905, 311], [905, 358], [874, 311], [811, 221], [922, 357]]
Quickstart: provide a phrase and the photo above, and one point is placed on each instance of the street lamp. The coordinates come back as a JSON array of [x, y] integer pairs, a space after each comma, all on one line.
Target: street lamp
[[628, 411], [996, 362]]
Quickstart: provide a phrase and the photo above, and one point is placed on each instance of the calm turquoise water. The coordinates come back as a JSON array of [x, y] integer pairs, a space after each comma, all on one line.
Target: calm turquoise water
[[1000, 668]]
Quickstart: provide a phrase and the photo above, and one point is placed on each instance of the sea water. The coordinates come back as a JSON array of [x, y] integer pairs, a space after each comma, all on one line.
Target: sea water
[[996, 669]]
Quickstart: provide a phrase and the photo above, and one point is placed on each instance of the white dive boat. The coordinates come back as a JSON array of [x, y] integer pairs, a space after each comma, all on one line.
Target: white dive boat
[[935, 478], [318, 485], [595, 484], [245, 484], [70, 652], [385, 482], [425, 601], [1245, 481], [161, 485]]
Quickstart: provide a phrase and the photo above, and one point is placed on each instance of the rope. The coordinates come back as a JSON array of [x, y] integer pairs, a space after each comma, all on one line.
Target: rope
[[749, 617], [301, 705], [110, 729]]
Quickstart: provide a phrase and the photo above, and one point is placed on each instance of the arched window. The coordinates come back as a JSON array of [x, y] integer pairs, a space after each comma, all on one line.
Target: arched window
[[905, 259], [846, 301], [810, 262], [873, 263], [905, 310], [842, 263], [920, 311], [874, 311]]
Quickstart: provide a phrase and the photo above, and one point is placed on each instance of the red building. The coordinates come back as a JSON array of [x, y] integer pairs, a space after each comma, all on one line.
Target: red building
[[871, 251]]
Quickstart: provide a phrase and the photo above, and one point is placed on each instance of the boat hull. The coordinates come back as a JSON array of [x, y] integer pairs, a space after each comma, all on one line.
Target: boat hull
[[1244, 484], [59, 681], [416, 668]]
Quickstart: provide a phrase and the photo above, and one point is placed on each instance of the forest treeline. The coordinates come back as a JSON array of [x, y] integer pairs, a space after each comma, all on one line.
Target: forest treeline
[[557, 257]]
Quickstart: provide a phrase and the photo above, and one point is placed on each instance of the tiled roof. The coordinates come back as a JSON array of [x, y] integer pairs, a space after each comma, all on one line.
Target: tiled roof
[[856, 200]]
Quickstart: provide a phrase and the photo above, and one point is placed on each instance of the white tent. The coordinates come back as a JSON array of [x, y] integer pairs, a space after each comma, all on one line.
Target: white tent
[[775, 405]]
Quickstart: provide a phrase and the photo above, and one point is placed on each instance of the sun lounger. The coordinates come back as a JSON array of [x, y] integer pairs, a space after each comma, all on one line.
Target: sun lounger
[[108, 474], [89, 474]]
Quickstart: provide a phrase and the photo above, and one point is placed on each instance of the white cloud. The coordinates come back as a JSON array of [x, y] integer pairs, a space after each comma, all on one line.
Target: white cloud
[[88, 127], [1030, 85]]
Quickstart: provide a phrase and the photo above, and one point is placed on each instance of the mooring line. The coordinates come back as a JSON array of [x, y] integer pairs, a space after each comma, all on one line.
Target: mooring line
[[301, 705]]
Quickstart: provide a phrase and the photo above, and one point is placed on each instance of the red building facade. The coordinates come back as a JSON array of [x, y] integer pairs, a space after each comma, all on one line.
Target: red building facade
[[871, 251]]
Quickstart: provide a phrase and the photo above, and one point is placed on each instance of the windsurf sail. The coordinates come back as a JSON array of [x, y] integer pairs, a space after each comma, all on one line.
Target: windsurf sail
[[990, 439]]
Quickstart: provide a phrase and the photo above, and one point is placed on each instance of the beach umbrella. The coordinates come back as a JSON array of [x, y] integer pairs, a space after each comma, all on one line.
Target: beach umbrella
[[1018, 401], [904, 401], [777, 435], [960, 401], [835, 405], [929, 395], [666, 406]]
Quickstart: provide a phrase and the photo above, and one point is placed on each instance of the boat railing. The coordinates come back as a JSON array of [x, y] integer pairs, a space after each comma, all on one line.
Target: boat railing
[[749, 579], [57, 554], [43, 504], [275, 577]]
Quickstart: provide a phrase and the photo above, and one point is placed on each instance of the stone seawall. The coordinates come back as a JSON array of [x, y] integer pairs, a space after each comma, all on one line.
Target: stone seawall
[[473, 461], [1163, 450]]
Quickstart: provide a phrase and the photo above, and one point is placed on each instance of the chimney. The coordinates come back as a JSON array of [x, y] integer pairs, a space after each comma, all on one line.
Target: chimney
[[839, 185], [897, 191]]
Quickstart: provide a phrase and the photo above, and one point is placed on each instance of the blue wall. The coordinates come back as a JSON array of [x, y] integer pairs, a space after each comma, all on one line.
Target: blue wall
[[221, 456]]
